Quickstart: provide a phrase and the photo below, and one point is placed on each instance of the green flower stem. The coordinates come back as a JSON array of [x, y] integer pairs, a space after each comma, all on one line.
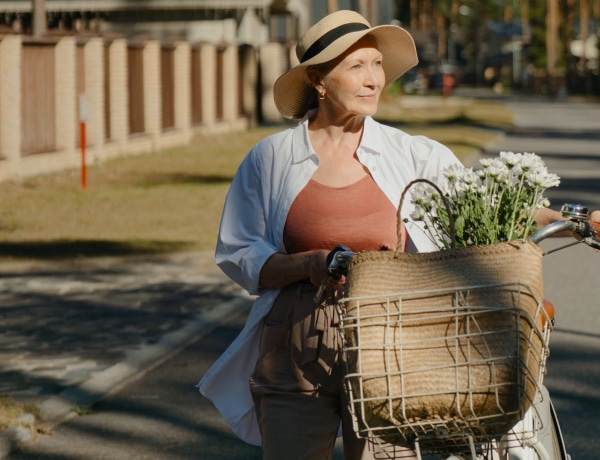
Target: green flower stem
[[515, 209]]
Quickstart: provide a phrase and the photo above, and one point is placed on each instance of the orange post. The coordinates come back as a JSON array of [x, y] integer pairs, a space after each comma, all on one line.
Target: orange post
[[448, 84], [83, 166], [82, 140]]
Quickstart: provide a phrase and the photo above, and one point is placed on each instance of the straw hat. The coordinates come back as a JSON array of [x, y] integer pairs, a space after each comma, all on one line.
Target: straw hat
[[328, 39]]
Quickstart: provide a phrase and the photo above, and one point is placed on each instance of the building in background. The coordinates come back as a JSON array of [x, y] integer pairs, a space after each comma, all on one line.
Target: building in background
[[231, 21]]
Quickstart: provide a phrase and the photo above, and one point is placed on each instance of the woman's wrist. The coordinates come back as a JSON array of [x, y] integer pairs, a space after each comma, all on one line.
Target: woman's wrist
[[283, 269]]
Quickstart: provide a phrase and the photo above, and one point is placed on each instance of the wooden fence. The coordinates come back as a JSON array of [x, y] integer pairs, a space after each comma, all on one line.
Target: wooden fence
[[131, 97]]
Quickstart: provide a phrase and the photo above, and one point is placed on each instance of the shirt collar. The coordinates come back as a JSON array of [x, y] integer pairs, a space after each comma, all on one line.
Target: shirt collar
[[371, 141], [301, 146]]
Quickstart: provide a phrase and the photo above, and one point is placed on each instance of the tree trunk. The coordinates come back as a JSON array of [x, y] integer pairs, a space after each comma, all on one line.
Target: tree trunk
[[455, 7], [414, 14], [525, 26], [585, 14], [551, 36], [442, 37], [569, 20]]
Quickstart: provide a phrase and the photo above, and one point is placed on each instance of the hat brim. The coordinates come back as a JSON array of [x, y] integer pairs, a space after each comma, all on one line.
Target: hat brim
[[294, 96]]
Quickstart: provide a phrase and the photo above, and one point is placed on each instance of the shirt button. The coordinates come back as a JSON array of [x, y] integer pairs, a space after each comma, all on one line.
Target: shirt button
[[374, 168]]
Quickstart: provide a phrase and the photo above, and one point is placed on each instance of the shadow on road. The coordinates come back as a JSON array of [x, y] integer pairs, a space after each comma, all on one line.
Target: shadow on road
[[573, 376], [66, 250]]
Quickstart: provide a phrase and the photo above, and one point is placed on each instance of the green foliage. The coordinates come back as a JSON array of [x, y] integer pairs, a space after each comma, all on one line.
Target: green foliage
[[537, 19], [403, 11], [480, 12]]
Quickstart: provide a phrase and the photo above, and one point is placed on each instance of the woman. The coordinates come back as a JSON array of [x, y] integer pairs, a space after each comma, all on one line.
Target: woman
[[335, 178]]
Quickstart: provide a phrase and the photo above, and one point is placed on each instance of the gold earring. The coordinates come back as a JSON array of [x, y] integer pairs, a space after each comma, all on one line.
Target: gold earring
[[322, 96]]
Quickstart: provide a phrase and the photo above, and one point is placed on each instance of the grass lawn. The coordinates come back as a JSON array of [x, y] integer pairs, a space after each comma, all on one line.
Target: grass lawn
[[171, 200]]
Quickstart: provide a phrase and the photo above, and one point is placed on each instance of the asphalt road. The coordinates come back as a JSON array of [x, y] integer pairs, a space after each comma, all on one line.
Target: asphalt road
[[567, 136], [162, 416]]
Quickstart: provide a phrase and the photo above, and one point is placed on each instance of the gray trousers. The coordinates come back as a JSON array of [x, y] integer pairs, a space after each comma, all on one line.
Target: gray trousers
[[298, 383]]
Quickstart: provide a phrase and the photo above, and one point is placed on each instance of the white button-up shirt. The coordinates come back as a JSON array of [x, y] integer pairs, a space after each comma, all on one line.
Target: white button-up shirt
[[261, 194]]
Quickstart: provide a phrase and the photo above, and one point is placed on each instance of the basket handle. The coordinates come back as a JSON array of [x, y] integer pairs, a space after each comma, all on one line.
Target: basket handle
[[446, 205]]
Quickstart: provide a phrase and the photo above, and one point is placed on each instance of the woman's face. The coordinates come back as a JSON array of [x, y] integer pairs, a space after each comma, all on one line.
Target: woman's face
[[354, 84]]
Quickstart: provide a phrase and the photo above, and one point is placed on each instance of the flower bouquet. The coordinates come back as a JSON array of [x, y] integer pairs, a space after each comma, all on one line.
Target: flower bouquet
[[493, 205]]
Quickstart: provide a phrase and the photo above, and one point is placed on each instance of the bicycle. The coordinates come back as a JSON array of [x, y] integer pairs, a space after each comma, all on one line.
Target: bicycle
[[465, 435]]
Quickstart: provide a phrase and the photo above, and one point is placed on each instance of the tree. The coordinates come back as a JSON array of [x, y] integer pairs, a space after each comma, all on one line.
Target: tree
[[474, 27], [549, 32]]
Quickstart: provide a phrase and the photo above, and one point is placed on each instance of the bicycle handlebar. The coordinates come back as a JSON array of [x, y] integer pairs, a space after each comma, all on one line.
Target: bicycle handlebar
[[576, 222]]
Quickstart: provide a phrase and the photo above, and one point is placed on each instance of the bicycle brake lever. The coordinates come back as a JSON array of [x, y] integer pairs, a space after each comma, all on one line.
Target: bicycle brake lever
[[592, 242], [321, 290], [334, 269]]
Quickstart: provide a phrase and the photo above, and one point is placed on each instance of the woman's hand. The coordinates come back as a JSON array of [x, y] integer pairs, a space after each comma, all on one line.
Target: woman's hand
[[283, 269], [318, 266], [595, 221], [546, 216]]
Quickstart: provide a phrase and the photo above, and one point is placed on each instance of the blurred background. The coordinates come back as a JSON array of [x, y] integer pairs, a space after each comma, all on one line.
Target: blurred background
[[542, 45], [127, 76]]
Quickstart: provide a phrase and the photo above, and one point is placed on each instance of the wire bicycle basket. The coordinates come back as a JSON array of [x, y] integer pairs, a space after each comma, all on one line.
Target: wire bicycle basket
[[443, 368]]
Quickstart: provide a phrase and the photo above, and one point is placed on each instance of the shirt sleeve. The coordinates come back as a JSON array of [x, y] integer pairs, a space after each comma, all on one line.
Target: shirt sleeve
[[242, 244], [431, 157]]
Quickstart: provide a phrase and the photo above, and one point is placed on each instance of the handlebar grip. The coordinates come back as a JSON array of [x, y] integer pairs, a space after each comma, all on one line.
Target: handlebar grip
[[331, 255], [332, 270]]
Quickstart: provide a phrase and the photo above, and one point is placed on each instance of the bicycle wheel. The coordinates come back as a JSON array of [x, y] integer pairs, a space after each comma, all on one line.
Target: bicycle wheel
[[547, 442], [557, 445]]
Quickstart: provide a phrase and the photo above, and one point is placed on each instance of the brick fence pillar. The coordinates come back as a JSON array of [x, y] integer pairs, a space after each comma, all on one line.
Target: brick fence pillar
[[10, 105], [208, 71], [152, 91], [273, 62], [249, 74], [94, 92], [230, 84], [119, 93], [183, 88], [66, 89]]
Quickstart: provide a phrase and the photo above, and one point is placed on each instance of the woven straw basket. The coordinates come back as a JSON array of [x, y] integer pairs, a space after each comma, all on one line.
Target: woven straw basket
[[448, 335]]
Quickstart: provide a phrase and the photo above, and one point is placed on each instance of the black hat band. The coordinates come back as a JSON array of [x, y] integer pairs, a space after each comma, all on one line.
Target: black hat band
[[330, 37]]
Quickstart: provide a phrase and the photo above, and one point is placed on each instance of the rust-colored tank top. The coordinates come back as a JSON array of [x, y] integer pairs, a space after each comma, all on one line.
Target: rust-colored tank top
[[359, 216]]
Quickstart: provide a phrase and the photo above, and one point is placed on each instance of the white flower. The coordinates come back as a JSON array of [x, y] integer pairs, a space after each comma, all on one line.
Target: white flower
[[498, 172], [470, 176], [418, 214], [454, 173], [510, 159], [530, 162], [543, 179], [422, 193], [485, 162]]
